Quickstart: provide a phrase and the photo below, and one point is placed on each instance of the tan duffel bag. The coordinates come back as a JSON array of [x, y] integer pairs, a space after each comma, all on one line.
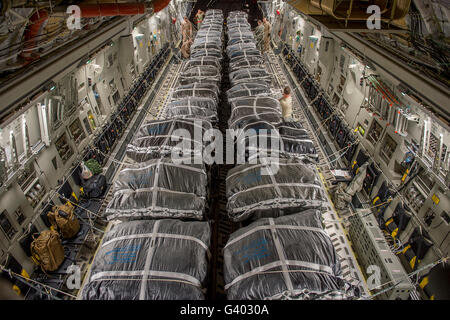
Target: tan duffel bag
[[47, 250], [64, 220]]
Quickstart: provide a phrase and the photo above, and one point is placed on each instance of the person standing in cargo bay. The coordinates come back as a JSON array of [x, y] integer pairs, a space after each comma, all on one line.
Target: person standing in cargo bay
[[199, 17], [259, 34], [186, 31], [286, 104], [267, 30]]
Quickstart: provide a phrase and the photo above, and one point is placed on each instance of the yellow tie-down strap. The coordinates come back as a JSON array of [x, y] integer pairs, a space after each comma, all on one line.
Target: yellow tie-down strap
[[405, 249], [405, 175], [412, 262], [395, 231], [376, 199], [424, 282]]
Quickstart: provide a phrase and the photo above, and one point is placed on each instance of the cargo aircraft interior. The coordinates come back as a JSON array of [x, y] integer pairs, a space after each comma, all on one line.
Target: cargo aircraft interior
[[224, 150]]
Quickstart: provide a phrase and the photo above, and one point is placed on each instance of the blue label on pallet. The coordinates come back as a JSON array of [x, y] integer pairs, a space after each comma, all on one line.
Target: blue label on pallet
[[122, 254], [256, 249]]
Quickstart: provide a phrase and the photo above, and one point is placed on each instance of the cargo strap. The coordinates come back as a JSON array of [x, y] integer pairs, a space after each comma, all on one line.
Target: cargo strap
[[260, 165], [196, 92], [280, 203], [243, 129], [317, 268], [157, 235], [276, 185], [171, 121], [164, 163], [280, 137], [175, 213], [169, 135], [148, 260], [182, 277], [281, 255], [255, 115], [278, 226], [254, 107], [155, 184]]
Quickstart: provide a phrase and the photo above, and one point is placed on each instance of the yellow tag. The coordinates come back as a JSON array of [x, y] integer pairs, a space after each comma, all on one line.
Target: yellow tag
[[25, 274], [412, 263], [435, 199], [406, 248], [394, 233], [35, 258], [405, 175], [424, 282], [312, 45], [16, 289], [141, 44]]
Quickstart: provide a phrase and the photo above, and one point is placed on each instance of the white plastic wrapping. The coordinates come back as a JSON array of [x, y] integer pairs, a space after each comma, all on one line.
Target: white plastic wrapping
[[155, 139], [151, 260], [153, 189], [193, 108], [248, 108], [290, 257], [294, 187]]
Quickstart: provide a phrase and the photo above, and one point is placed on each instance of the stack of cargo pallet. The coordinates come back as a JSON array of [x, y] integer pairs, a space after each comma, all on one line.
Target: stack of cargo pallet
[[160, 247], [283, 252]]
